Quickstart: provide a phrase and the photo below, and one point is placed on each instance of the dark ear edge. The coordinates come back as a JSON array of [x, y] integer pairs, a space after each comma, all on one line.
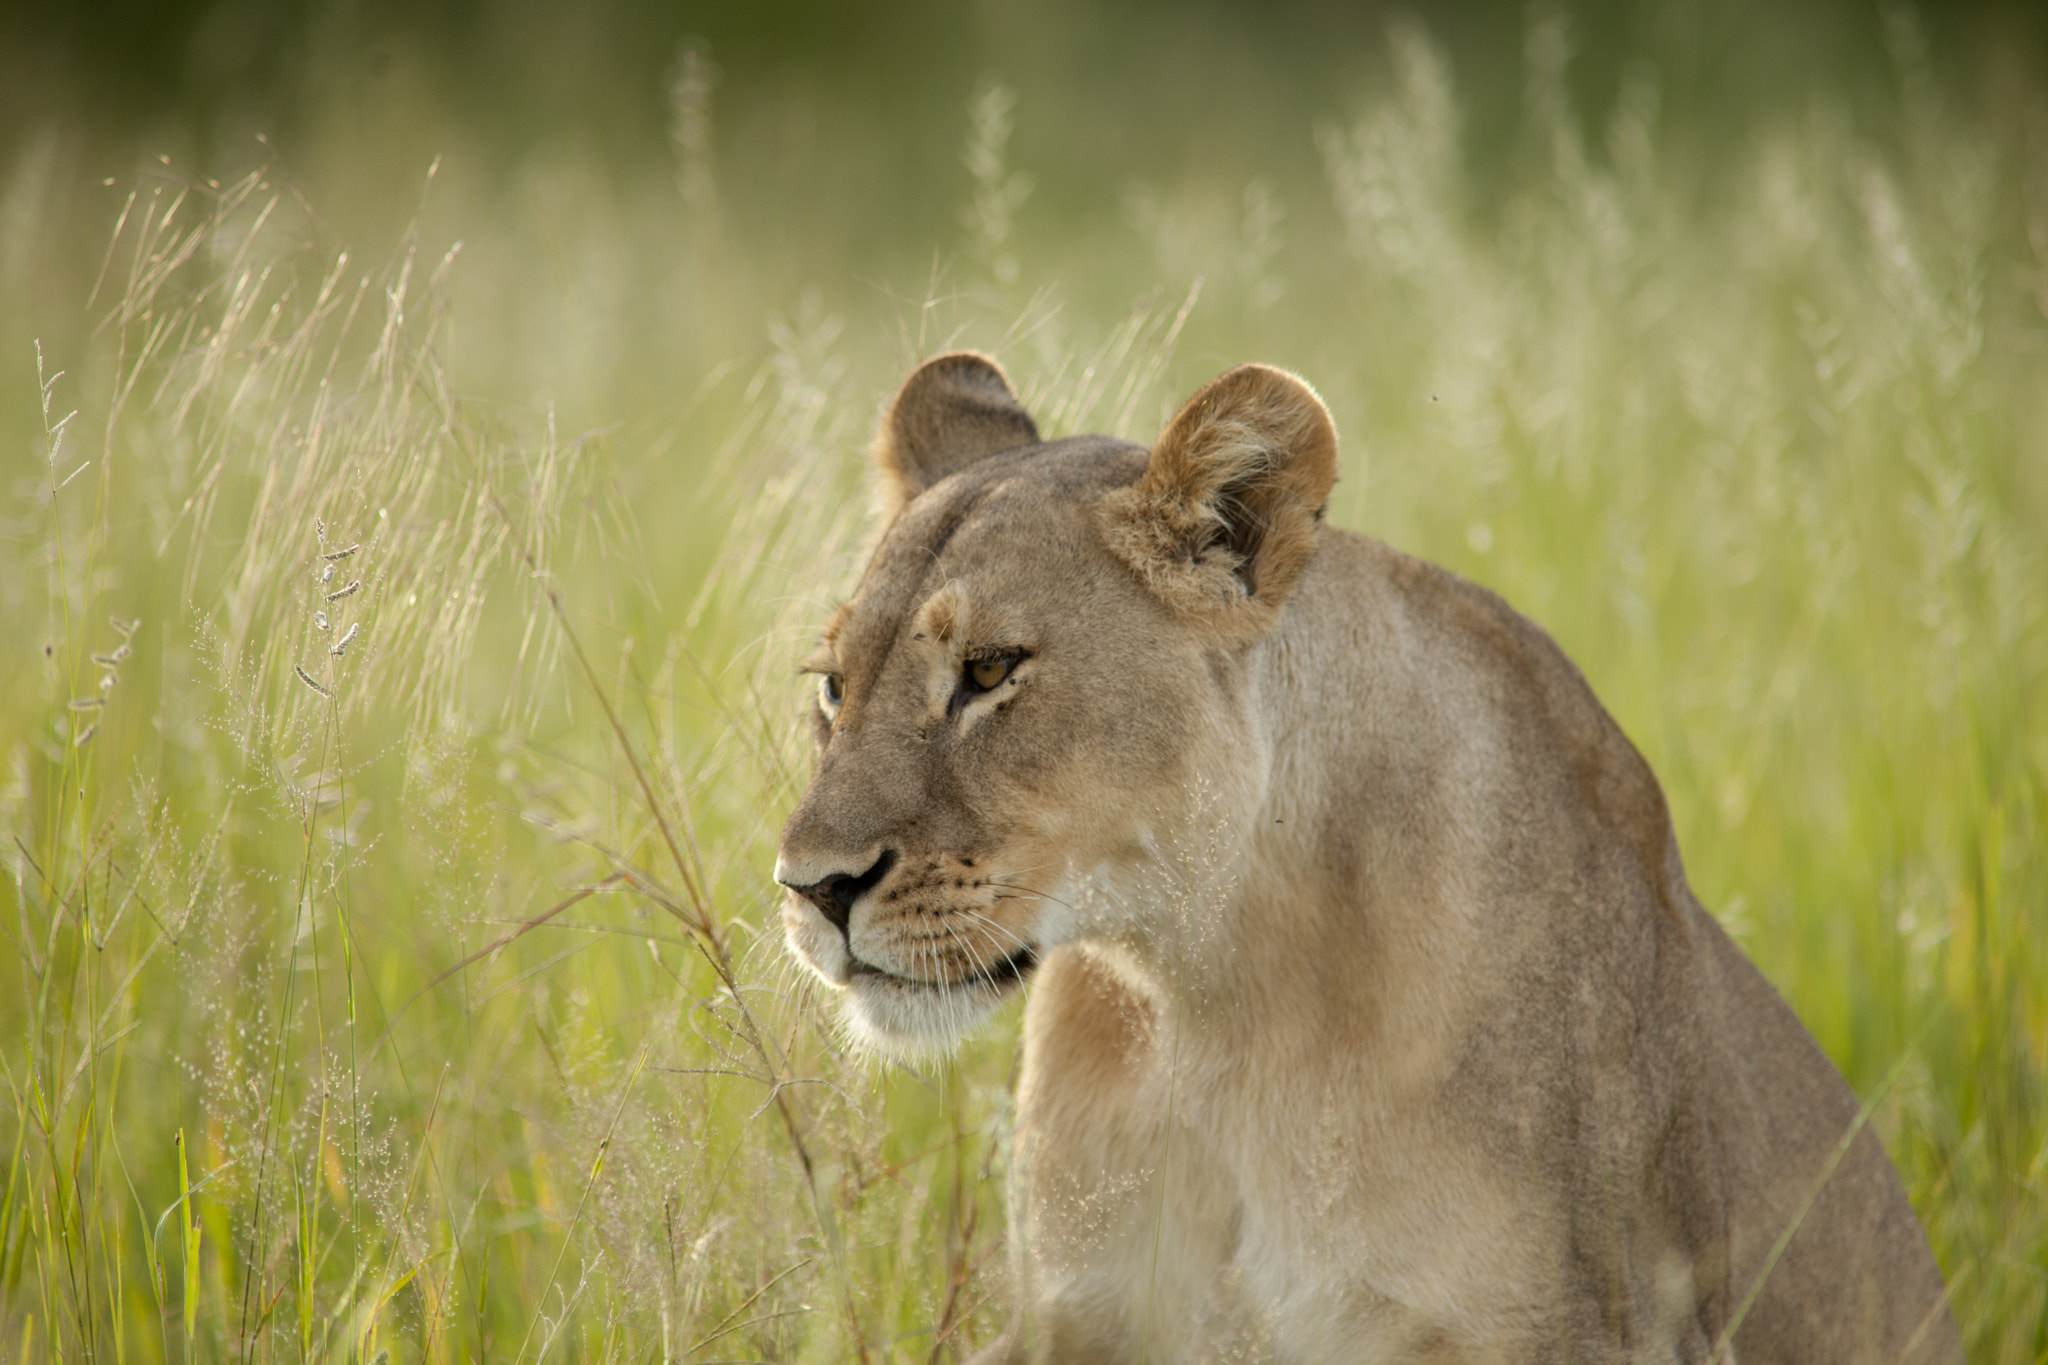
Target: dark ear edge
[[1225, 518], [954, 410]]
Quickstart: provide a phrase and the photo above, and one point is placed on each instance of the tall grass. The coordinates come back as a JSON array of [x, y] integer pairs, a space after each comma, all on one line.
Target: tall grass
[[392, 962]]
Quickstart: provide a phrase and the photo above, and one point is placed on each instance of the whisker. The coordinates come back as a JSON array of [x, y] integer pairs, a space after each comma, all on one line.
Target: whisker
[[995, 928], [981, 968], [1035, 894]]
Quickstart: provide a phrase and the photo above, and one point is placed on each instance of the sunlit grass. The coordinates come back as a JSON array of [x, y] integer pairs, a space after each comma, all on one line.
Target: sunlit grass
[[391, 962]]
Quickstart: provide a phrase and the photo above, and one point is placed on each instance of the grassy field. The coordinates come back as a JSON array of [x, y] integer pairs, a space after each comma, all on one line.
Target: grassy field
[[404, 701]]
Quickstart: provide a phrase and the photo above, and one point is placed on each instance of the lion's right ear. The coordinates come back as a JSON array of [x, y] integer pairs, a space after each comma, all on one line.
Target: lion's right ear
[[954, 411]]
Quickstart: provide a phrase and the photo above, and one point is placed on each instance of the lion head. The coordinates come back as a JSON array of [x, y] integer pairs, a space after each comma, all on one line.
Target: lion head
[[1034, 695]]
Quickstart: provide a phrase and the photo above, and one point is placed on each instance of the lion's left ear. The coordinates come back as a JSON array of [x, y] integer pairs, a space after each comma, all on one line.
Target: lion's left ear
[[955, 410], [1224, 519]]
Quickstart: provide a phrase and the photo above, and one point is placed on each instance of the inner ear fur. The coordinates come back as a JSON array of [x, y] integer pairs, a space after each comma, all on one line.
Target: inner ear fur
[[1224, 519], [956, 409]]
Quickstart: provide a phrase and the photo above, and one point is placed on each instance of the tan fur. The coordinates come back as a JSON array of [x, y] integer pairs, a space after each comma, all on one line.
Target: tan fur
[[1371, 1016], [952, 412]]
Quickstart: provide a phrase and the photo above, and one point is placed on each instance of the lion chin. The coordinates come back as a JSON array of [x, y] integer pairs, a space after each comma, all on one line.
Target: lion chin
[[1370, 1015], [911, 1020]]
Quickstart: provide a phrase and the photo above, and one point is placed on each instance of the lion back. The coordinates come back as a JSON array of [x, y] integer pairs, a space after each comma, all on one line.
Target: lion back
[[1709, 1161]]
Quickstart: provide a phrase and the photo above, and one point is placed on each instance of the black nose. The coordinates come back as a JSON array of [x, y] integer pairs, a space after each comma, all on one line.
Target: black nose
[[836, 894]]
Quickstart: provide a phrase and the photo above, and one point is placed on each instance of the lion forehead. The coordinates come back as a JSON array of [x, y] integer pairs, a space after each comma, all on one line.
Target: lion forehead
[[981, 546]]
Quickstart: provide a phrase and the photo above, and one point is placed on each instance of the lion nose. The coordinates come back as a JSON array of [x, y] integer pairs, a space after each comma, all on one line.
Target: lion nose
[[834, 896]]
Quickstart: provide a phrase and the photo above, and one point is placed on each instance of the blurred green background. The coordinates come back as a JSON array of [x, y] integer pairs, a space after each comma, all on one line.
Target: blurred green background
[[402, 705], [836, 132]]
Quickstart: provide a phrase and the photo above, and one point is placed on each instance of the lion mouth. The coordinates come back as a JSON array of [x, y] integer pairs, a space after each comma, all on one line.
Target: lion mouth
[[1013, 969], [1001, 976]]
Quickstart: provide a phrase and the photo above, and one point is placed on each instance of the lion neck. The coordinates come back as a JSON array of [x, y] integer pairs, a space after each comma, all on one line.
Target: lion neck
[[1323, 899]]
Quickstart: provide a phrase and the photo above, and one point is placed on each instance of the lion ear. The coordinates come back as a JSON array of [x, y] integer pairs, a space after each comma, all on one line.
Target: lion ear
[[954, 411], [1224, 519]]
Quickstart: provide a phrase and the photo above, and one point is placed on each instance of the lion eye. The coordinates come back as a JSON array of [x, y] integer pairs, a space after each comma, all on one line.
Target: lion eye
[[833, 689], [986, 673]]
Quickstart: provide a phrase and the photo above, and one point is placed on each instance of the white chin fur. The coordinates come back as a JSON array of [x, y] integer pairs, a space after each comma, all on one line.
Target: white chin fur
[[912, 1022]]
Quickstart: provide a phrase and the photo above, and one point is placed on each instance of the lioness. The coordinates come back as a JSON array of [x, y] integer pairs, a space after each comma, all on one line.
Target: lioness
[[1371, 1015]]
